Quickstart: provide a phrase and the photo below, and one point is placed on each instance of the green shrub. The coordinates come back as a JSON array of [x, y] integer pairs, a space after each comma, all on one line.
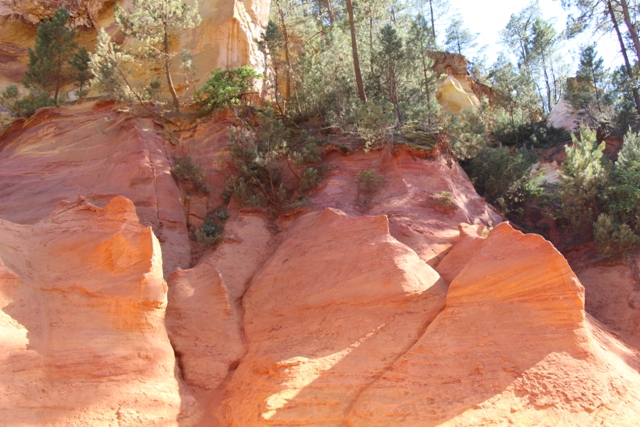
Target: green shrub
[[613, 240], [210, 232], [584, 174], [190, 176], [621, 199], [417, 136], [444, 199], [516, 129], [375, 122], [226, 88], [369, 182], [260, 157], [468, 134], [502, 178], [26, 106]]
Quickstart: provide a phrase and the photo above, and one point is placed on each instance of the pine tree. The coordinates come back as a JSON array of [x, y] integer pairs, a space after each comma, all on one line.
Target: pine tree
[[155, 24], [48, 61], [586, 93], [81, 72], [460, 40], [354, 52], [391, 56], [584, 174], [419, 43], [271, 45]]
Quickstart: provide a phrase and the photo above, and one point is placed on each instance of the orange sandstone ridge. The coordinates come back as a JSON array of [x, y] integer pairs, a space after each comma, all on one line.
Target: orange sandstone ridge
[[409, 314]]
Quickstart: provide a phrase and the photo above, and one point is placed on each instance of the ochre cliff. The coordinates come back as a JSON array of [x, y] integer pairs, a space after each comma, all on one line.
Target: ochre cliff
[[82, 334], [412, 313], [224, 39]]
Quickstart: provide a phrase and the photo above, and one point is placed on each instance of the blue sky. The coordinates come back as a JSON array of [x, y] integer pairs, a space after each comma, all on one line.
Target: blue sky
[[488, 17]]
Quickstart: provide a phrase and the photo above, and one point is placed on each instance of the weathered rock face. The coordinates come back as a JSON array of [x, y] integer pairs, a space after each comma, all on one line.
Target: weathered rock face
[[224, 39], [512, 346], [83, 341], [96, 153], [411, 310], [204, 319], [613, 297], [457, 91], [563, 116], [327, 314], [409, 197]]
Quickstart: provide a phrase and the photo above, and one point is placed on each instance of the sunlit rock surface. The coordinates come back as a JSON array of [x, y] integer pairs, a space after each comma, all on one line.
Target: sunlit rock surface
[[82, 335], [224, 39]]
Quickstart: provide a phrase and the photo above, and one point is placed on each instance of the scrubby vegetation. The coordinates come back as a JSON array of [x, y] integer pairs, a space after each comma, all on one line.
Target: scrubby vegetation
[[210, 232], [276, 165], [226, 88], [368, 73], [369, 183], [191, 177]]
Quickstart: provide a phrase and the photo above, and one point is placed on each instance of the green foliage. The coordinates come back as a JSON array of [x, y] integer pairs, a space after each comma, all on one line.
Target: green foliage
[[271, 44], [586, 92], [111, 67], [444, 199], [262, 157], [81, 72], [516, 128], [503, 178], [621, 199], [459, 39], [191, 177], [25, 106], [154, 25], [226, 88], [210, 232], [468, 133], [422, 105], [622, 94], [48, 65], [536, 44], [584, 174], [374, 123], [390, 59], [369, 183], [613, 240], [416, 136], [9, 98]]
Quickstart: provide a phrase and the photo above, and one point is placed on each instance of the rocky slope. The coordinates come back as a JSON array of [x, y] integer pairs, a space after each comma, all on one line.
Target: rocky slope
[[419, 311]]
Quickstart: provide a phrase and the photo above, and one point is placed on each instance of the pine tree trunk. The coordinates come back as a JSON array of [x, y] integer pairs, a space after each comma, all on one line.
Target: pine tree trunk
[[332, 16], [633, 33], [426, 86], [285, 36], [167, 65], [433, 21], [623, 50], [354, 49]]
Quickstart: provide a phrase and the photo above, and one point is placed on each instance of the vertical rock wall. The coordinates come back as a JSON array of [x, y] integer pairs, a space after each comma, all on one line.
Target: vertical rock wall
[[224, 39]]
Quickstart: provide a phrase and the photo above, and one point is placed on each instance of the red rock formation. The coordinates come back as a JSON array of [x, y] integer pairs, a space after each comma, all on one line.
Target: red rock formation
[[327, 314], [613, 297], [512, 346], [79, 151], [82, 302], [336, 315], [411, 180], [203, 318]]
